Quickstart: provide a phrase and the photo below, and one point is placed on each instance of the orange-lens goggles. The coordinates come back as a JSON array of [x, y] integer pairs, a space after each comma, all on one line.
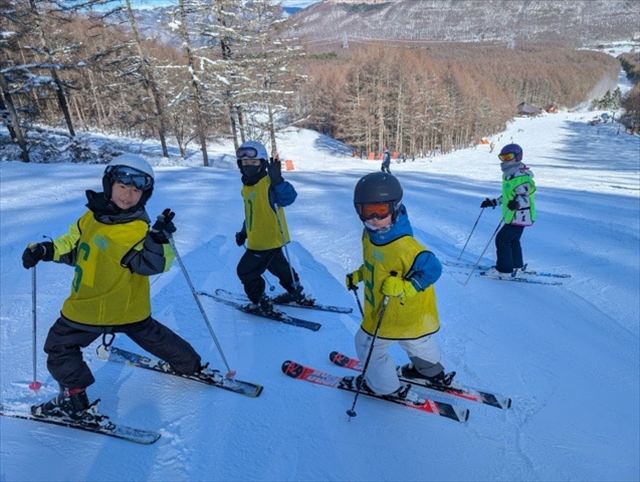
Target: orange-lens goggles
[[509, 156], [377, 210]]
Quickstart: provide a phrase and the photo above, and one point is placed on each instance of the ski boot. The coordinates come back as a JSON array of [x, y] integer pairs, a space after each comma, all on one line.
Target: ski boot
[[440, 379], [401, 392], [69, 403], [296, 295]]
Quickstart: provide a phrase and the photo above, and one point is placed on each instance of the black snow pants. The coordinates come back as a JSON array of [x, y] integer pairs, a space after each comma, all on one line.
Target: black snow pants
[[508, 249], [66, 365], [254, 263]]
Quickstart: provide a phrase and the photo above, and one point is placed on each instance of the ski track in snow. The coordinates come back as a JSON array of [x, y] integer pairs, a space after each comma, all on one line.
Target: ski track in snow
[[567, 355]]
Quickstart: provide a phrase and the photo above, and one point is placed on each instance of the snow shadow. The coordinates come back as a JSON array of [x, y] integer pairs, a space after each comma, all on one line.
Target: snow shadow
[[599, 148]]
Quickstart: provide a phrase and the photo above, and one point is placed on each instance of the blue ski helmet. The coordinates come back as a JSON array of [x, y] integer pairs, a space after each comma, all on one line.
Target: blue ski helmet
[[510, 152]]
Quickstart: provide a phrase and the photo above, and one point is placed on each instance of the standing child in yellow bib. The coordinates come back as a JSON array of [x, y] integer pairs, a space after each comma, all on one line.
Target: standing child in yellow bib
[[113, 253], [397, 266]]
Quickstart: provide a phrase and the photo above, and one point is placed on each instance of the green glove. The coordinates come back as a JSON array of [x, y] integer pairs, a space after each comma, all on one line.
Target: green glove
[[398, 287]]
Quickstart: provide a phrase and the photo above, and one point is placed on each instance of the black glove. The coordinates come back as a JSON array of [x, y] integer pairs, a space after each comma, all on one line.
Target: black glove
[[241, 237], [36, 252], [489, 203], [275, 170], [513, 205], [163, 227]]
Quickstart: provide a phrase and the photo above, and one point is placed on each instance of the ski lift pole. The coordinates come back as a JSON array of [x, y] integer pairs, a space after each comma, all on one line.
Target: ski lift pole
[[230, 373], [483, 251], [471, 233], [35, 384]]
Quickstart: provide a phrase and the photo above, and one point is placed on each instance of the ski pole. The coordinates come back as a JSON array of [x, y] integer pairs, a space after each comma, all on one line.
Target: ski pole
[[355, 293], [294, 281], [352, 411], [483, 251], [230, 373], [35, 384], [472, 230]]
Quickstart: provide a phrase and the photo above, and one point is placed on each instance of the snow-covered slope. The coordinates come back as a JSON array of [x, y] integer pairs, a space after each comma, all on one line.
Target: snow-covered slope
[[567, 355]]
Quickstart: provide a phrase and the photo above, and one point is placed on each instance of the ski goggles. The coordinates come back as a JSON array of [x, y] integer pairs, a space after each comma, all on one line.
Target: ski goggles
[[247, 153], [506, 157], [374, 210], [130, 177]]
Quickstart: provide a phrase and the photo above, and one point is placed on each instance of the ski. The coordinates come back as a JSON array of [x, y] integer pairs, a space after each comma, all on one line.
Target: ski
[[518, 279], [208, 376], [413, 400], [521, 272], [276, 315], [106, 427], [455, 390], [241, 298]]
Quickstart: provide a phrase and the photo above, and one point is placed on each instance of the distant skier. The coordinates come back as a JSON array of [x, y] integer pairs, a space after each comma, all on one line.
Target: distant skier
[[114, 252], [518, 210], [386, 161], [265, 194], [398, 266]]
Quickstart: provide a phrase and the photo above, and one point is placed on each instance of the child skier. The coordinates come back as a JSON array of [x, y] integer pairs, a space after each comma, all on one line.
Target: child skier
[[265, 193], [518, 210], [114, 253], [397, 266]]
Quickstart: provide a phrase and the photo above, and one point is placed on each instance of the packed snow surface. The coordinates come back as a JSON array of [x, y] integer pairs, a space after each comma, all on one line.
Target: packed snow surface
[[568, 355]]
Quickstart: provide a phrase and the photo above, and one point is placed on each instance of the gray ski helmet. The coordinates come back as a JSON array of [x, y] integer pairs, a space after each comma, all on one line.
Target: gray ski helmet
[[377, 187]]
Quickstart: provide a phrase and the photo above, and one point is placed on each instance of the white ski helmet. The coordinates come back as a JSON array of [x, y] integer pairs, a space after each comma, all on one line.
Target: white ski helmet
[[132, 170]]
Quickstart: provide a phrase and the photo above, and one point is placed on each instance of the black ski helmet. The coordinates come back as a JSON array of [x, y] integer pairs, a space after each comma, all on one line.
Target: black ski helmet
[[378, 187]]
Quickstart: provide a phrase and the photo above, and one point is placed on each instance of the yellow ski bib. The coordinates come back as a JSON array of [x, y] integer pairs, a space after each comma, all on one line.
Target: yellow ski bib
[[262, 225], [104, 292], [403, 319]]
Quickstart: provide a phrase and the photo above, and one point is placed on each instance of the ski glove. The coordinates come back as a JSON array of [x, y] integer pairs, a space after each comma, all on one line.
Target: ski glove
[[241, 237], [275, 170], [352, 279], [513, 205], [398, 287], [36, 252], [163, 228], [489, 203]]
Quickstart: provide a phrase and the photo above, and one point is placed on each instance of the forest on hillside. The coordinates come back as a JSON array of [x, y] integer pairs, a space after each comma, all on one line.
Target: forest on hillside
[[444, 97], [236, 72]]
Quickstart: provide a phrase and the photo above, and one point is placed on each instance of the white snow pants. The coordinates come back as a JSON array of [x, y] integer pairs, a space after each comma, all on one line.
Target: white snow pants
[[381, 374]]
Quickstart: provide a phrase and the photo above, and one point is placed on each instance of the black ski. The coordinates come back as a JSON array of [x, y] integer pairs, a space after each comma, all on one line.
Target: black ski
[[220, 295], [208, 376], [518, 279], [105, 427], [241, 298], [463, 265], [465, 393], [413, 400]]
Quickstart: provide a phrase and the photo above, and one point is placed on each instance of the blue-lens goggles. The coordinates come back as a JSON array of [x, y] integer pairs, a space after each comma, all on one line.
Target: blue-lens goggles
[[130, 177]]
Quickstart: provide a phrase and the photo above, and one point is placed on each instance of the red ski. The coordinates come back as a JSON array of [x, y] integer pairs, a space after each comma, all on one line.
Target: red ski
[[413, 400], [465, 393]]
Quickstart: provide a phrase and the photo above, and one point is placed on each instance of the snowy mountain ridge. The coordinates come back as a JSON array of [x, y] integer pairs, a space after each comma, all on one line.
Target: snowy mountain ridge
[[575, 23]]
